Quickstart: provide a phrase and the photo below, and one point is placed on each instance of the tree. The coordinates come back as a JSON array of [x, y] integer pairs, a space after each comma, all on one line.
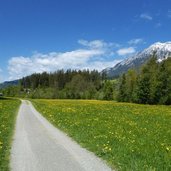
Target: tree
[[108, 90], [163, 91], [122, 95], [147, 82], [131, 79]]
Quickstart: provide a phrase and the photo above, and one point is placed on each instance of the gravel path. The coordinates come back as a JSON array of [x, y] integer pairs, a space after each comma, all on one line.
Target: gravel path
[[39, 146]]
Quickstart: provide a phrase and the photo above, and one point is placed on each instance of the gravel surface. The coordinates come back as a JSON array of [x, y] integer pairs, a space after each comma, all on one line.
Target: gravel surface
[[39, 146]]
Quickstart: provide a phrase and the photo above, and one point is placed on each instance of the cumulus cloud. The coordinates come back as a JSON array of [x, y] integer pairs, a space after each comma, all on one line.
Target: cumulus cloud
[[92, 56], [126, 51], [95, 44], [100, 65], [146, 16], [136, 41]]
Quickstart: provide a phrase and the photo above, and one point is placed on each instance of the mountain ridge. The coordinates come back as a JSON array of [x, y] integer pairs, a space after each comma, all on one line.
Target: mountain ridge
[[162, 51], [8, 83]]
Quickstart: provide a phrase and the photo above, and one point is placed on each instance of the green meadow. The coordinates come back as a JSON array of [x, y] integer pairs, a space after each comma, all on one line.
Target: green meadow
[[8, 111], [127, 136]]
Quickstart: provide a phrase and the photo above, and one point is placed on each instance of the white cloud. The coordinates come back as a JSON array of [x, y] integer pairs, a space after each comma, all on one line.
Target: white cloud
[[136, 41], [146, 16], [92, 56], [126, 51], [96, 44], [93, 44], [100, 65]]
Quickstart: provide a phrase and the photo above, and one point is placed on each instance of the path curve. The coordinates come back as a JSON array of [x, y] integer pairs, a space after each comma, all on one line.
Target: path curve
[[39, 146]]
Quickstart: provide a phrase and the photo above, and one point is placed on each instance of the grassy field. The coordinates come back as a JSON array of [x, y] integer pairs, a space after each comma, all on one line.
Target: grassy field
[[8, 111], [128, 136]]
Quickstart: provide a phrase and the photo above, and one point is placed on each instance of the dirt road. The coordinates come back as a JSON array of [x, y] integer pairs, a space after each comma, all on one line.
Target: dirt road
[[39, 146]]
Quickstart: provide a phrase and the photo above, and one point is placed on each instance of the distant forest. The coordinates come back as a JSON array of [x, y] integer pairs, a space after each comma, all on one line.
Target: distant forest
[[70, 84], [151, 84]]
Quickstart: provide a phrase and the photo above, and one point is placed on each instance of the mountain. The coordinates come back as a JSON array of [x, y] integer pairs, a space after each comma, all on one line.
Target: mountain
[[8, 83], [162, 50]]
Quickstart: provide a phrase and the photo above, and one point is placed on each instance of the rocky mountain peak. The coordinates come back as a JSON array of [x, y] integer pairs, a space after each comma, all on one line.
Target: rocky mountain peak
[[162, 51]]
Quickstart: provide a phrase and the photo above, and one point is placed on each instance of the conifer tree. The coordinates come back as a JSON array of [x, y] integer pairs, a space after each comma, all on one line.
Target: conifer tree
[[164, 83], [131, 77], [122, 95]]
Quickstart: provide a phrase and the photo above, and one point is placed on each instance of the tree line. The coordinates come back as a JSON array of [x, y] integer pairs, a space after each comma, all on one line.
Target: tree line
[[70, 84], [150, 85]]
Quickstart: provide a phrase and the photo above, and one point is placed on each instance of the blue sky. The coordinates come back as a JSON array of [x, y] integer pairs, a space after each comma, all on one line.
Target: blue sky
[[46, 35]]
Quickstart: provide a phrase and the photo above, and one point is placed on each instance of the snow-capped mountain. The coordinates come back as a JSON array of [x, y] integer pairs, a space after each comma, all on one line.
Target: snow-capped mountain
[[162, 51]]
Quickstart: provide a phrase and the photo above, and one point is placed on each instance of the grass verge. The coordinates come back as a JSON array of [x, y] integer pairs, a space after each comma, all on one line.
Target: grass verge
[[8, 111], [128, 136]]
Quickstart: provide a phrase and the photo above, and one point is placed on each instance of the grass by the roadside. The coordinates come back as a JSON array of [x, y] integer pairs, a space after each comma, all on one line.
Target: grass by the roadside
[[8, 111], [128, 136]]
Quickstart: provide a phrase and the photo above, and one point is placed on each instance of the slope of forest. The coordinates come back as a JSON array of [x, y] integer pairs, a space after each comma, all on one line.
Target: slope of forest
[[8, 83]]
